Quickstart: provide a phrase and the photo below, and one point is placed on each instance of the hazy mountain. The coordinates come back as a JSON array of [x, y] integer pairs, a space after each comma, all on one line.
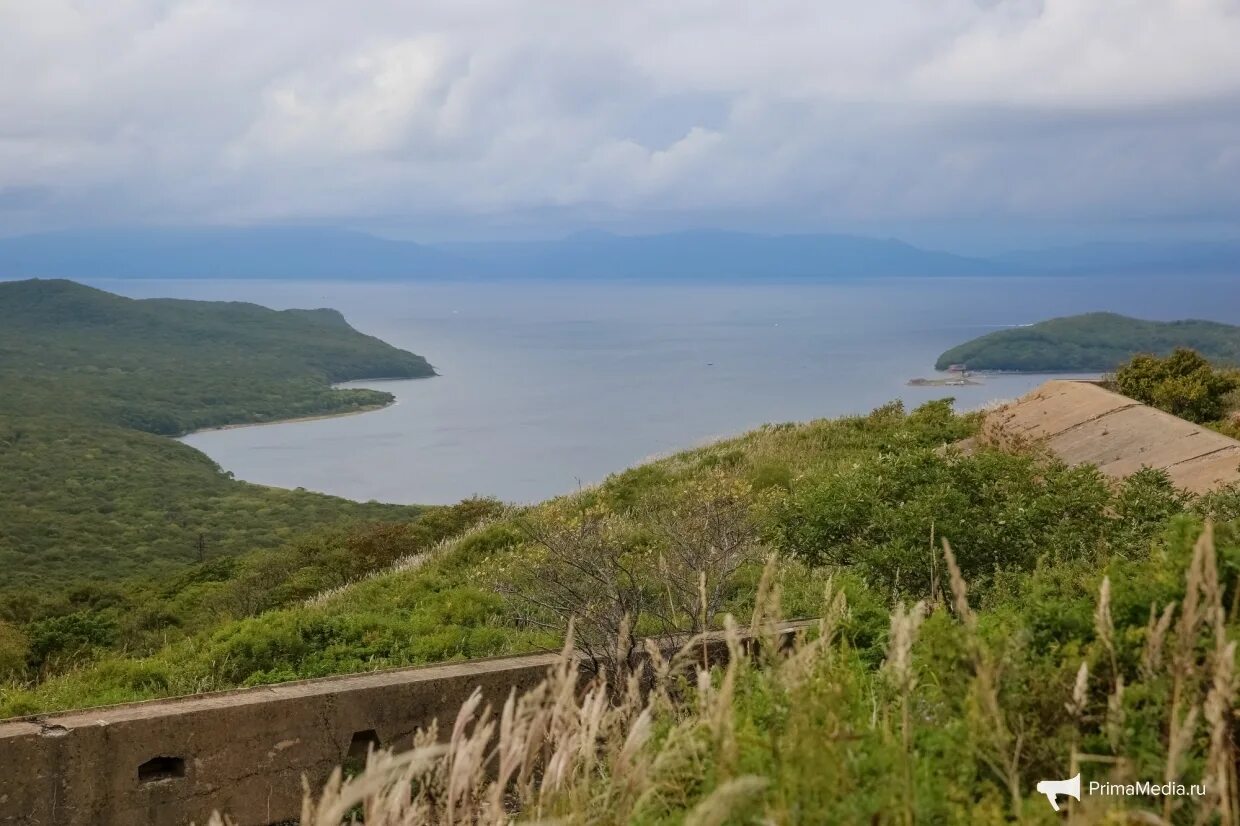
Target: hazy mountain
[[310, 252], [1136, 257], [330, 253], [715, 254], [269, 252]]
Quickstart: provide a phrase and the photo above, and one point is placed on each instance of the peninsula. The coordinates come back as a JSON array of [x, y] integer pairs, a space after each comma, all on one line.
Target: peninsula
[[98, 380]]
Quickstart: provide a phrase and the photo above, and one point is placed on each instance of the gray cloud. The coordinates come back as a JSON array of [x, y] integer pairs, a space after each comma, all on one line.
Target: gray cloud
[[451, 117]]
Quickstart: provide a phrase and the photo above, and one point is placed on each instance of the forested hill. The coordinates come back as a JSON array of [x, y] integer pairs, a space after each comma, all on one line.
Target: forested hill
[[90, 489], [169, 366], [1092, 342]]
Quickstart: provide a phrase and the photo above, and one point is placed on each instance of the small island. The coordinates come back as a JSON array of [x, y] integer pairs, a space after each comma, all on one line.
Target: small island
[[1090, 343]]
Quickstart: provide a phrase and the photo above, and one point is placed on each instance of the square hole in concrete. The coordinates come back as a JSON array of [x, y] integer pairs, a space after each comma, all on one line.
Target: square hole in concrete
[[361, 744], [161, 768]]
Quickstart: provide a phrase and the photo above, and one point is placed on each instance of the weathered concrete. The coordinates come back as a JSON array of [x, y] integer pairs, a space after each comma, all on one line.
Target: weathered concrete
[[1082, 423], [244, 752]]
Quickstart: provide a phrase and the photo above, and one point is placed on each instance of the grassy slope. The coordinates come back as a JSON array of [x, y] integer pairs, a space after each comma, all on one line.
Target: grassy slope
[[86, 492], [1093, 342], [853, 506], [446, 606]]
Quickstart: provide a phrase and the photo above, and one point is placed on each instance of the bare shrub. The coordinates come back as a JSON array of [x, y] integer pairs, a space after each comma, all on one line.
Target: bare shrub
[[705, 540], [660, 572], [587, 570]]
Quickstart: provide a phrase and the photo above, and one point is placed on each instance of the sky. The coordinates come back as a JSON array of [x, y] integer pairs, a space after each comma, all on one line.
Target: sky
[[965, 124]]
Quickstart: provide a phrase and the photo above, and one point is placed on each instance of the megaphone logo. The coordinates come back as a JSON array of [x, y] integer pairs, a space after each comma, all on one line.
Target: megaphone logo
[[1054, 788]]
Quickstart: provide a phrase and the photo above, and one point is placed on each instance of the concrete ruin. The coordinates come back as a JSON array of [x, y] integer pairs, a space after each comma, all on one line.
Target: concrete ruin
[[1083, 423], [244, 752]]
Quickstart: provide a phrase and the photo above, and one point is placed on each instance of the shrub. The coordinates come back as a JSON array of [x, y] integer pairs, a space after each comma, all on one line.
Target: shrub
[[14, 648], [69, 638], [1001, 511], [1183, 384]]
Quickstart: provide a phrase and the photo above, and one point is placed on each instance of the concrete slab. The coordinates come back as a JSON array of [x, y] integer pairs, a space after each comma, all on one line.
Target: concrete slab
[[1082, 423]]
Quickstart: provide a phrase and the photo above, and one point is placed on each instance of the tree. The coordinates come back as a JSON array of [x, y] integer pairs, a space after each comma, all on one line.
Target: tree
[[1183, 384]]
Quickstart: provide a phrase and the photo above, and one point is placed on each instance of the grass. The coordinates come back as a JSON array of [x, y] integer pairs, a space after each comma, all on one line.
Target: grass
[[1072, 623], [442, 604], [816, 733]]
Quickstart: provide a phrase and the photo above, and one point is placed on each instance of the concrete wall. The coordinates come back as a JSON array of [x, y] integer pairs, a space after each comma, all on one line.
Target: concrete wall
[[174, 762], [1083, 423], [243, 752]]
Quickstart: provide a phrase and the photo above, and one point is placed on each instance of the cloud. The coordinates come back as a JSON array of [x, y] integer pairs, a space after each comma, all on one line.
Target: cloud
[[468, 116]]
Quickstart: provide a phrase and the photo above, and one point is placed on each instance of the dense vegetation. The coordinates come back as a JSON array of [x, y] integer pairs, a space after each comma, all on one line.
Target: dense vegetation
[[85, 502], [1093, 343], [947, 711], [1183, 384], [968, 703], [169, 366], [45, 633], [91, 490], [865, 495]]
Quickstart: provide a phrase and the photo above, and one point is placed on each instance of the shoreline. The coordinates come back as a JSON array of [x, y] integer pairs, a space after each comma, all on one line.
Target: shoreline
[[989, 372], [316, 417], [943, 382]]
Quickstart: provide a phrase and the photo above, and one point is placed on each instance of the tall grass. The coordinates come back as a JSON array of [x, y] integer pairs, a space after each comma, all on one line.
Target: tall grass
[[812, 732]]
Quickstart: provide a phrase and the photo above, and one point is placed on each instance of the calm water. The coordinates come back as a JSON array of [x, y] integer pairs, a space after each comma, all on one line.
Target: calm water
[[547, 386]]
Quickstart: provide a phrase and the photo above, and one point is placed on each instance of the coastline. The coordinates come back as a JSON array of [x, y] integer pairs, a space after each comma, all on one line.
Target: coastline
[[943, 382], [316, 417]]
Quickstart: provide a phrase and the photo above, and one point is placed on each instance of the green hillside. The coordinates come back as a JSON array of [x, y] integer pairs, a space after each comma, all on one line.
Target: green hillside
[[924, 703], [168, 366], [89, 490], [1091, 343], [859, 495], [451, 604]]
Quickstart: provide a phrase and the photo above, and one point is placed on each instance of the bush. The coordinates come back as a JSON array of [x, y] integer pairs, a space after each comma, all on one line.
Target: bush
[[69, 638], [1183, 384], [14, 648], [1000, 511]]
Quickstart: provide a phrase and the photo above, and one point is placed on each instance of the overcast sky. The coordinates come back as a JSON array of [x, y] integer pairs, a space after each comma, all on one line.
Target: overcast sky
[[966, 123]]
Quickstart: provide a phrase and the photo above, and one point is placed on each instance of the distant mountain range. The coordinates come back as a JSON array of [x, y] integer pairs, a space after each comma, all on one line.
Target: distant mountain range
[[715, 254], [320, 253], [1136, 257], [272, 252]]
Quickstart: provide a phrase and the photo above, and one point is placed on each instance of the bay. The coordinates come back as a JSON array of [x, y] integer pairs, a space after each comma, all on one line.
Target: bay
[[546, 386]]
